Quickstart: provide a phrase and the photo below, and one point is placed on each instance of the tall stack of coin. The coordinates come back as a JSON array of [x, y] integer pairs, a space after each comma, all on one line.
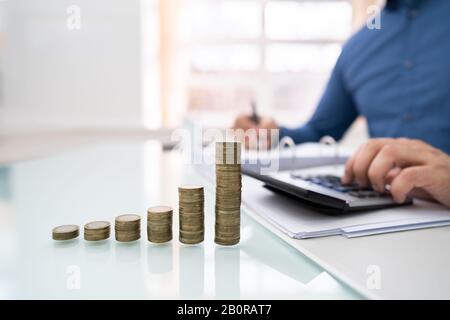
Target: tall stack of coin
[[191, 214], [128, 227], [228, 193], [97, 230], [65, 232], [159, 224]]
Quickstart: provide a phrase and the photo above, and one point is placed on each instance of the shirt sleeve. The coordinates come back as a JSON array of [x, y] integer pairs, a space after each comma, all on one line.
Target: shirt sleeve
[[334, 114]]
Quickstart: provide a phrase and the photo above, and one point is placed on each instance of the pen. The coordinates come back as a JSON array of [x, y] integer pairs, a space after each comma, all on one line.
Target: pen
[[255, 117]]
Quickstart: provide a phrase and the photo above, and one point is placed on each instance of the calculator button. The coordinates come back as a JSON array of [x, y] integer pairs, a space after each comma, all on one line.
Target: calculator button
[[368, 194], [356, 194], [345, 188]]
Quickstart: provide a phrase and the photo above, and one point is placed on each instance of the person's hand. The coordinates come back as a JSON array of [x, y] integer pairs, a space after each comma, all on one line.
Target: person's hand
[[255, 134], [409, 167]]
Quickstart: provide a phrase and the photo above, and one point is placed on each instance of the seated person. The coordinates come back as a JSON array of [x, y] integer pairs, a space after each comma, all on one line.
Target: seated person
[[397, 77]]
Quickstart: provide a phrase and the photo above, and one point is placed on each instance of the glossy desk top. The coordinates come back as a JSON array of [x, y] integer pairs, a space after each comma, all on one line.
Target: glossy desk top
[[100, 182]]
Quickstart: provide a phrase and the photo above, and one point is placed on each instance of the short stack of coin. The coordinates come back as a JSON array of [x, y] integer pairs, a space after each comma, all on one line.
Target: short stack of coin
[[159, 224], [128, 227], [191, 214], [65, 232], [97, 230], [228, 193]]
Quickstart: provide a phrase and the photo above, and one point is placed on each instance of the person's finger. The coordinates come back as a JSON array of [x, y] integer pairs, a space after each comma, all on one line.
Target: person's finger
[[389, 157], [347, 178], [349, 174], [421, 194], [364, 159], [391, 176], [409, 179], [414, 143], [244, 122], [246, 143]]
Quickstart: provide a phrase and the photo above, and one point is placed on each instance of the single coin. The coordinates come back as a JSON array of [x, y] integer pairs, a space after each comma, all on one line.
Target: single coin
[[160, 209], [191, 241], [97, 225], [192, 228], [189, 188], [128, 218], [226, 242]]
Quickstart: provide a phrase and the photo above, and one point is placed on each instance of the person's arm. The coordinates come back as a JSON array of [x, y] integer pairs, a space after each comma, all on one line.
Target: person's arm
[[334, 114]]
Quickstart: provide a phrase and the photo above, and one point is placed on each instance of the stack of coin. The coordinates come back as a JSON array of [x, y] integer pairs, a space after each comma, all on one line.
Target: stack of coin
[[128, 227], [97, 230], [159, 224], [228, 193], [65, 232], [191, 214]]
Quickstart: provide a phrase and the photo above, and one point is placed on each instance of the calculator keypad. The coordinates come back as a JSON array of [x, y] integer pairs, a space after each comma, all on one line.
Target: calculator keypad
[[334, 183]]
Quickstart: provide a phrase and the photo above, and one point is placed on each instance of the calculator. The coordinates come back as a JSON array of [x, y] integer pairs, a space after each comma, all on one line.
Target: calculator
[[322, 189]]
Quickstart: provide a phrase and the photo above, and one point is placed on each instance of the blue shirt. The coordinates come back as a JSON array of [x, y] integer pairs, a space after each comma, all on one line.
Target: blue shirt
[[397, 77]]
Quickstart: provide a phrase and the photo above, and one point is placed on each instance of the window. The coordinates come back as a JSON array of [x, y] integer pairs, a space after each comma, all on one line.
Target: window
[[309, 20], [278, 53]]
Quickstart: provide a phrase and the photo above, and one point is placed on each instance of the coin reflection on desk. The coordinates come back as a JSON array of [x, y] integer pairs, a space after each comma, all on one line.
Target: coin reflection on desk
[[192, 272], [160, 258], [227, 272]]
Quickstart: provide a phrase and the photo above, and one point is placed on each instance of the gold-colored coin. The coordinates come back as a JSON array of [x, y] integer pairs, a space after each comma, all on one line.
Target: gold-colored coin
[[199, 209], [191, 218], [128, 218], [97, 225], [189, 189], [160, 228], [160, 210], [226, 241], [193, 228], [158, 220]]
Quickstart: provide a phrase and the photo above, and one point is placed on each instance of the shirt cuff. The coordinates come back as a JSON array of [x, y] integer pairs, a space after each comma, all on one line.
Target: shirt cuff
[[303, 134]]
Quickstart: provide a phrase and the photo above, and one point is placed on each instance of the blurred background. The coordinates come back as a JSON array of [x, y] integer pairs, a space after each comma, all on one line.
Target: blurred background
[[155, 64]]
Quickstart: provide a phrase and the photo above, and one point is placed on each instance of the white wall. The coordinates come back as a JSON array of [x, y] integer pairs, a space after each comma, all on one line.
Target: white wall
[[103, 75]]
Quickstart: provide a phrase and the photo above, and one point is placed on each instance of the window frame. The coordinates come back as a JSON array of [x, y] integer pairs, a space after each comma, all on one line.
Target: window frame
[[262, 42]]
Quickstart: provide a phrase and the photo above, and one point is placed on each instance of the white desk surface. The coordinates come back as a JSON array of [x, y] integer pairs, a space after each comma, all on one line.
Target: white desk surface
[[409, 265], [100, 182]]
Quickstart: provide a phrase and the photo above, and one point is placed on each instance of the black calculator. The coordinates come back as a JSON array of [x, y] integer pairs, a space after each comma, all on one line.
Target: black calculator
[[322, 189]]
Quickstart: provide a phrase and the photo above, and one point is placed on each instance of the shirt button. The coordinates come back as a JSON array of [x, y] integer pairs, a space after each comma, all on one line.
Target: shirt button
[[407, 64], [407, 116], [412, 14]]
